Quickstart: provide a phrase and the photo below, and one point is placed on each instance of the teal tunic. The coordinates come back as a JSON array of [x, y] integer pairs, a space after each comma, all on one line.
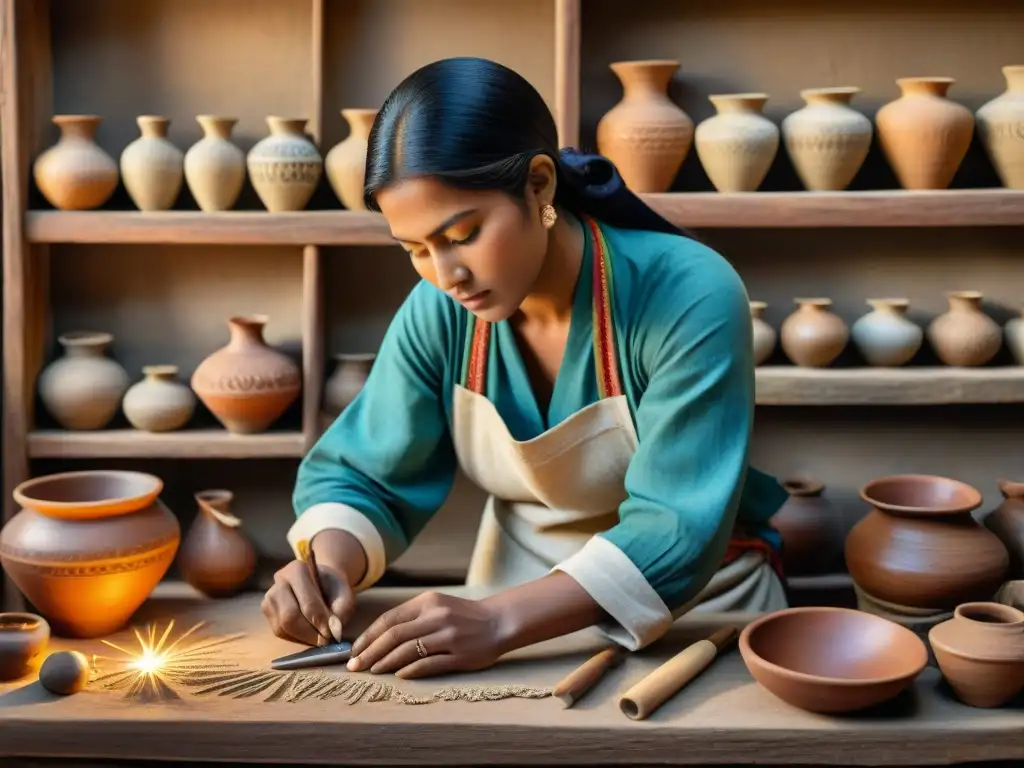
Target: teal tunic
[[683, 336]]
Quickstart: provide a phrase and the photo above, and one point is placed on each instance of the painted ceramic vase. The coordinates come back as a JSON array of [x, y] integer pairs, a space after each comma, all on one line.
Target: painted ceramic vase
[[152, 168], [1007, 522], [827, 140], [159, 403], [965, 335], [346, 162], [923, 134], [88, 547], [75, 174], [216, 558], [247, 384], [764, 335], [812, 540], [885, 336], [83, 389], [919, 546], [214, 166], [737, 146], [645, 135], [285, 167], [813, 336], [1014, 333], [347, 381], [23, 638], [1001, 129]]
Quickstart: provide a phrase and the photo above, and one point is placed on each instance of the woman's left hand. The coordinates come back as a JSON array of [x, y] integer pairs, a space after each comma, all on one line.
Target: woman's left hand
[[454, 635]]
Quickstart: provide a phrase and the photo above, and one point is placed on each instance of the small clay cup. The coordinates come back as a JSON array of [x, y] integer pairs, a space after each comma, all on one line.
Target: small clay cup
[[23, 637], [826, 660], [981, 653]]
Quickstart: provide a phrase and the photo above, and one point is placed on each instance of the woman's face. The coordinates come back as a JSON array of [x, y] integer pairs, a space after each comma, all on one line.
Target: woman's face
[[481, 248]]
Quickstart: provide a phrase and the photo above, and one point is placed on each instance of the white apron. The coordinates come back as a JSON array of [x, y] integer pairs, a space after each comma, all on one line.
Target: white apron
[[551, 494]]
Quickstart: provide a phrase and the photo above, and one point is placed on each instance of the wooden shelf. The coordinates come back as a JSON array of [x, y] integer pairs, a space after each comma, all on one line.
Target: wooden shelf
[[186, 444], [790, 385]]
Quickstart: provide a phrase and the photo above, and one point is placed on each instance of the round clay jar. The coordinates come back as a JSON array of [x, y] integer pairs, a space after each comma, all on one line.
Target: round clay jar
[[813, 336], [23, 636]]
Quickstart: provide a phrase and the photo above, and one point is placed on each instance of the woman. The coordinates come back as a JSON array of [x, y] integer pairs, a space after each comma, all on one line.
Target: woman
[[582, 360]]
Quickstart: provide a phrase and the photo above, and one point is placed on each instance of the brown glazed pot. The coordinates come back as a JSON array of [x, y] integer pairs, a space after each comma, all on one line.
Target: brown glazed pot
[[920, 547], [216, 557], [981, 653], [1007, 522], [828, 660], [811, 537], [88, 547], [23, 637]]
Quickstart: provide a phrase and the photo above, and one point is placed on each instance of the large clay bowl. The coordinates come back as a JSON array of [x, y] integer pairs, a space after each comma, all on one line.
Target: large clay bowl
[[829, 660]]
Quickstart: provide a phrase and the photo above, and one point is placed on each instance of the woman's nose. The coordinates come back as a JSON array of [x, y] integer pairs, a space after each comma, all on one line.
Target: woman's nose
[[449, 272]]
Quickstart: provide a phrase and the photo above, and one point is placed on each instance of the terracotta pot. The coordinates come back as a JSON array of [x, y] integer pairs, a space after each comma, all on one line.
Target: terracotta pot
[[981, 653], [965, 335], [1001, 129], [1012, 594], [83, 389], [813, 336], [827, 140], [214, 166], [920, 547], [285, 167], [1007, 522], [23, 638], [75, 174], [347, 381], [923, 134], [1013, 331], [152, 167], [346, 162], [88, 547], [737, 146], [764, 335], [645, 135], [884, 336], [247, 384], [812, 540], [216, 557], [159, 403]]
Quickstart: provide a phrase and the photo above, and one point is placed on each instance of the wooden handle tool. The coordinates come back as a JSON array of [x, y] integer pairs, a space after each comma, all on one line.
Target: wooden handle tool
[[306, 553], [574, 685], [645, 697]]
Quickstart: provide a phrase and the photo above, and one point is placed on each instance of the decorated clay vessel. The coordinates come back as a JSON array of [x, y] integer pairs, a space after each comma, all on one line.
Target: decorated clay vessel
[[159, 403], [347, 381], [812, 540], [23, 638], [645, 135], [919, 546], [813, 336], [88, 547], [884, 336], [1013, 331], [152, 167], [1001, 129], [285, 167], [214, 166], [827, 140], [83, 389], [965, 335], [765, 337], [737, 146], [346, 162], [75, 174], [1007, 522], [216, 557], [247, 384]]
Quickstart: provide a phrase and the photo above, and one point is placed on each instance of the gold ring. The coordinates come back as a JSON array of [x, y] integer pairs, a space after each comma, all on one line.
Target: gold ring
[[420, 649]]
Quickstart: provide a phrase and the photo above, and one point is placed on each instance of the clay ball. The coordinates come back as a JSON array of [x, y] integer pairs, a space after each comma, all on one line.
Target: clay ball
[[64, 672]]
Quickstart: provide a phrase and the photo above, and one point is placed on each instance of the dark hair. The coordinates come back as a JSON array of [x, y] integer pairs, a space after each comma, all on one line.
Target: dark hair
[[476, 124]]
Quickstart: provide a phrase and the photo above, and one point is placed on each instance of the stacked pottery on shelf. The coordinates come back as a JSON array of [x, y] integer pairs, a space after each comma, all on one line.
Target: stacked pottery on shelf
[[215, 166], [885, 337], [285, 167], [152, 168], [827, 140], [737, 146], [1000, 125], [75, 174], [964, 335], [83, 389], [813, 336], [1013, 331], [764, 335], [345, 164], [159, 403]]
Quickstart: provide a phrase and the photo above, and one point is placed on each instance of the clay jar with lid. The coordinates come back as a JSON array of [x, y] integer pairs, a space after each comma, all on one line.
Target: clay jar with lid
[[765, 337], [964, 335], [1001, 128], [981, 653], [736, 147], [811, 537], [75, 174], [152, 167], [813, 336], [83, 389], [346, 162], [1007, 522], [885, 336], [216, 557], [919, 546], [827, 140], [23, 637]]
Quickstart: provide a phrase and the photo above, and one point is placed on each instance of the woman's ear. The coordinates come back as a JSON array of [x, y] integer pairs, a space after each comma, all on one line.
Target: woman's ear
[[542, 180]]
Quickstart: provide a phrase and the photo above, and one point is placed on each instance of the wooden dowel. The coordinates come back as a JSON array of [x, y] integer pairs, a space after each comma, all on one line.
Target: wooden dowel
[[574, 685]]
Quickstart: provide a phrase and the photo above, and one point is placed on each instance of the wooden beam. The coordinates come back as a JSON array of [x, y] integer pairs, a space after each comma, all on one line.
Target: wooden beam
[[568, 33], [182, 444]]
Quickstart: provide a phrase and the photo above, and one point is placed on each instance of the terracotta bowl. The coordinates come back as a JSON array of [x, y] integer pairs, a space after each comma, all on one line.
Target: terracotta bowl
[[828, 660], [921, 494]]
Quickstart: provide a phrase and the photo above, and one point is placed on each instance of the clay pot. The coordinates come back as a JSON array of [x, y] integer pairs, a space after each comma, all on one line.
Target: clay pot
[[347, 381], [247, 384], [764, 335], [811, 537], [214, 166], [812, 336], [1013, 331], [1007, 522], [159, 403], [1012, 594], [923, 134], [88, 547], [83, 389], [965, 335], [981, 653], [346, 162], [1001, 129], [23, 637], [216, 557], [152, 167], [827, 140], [285, 167], [75, 174], [920, 547], [884, 336], [645, 135], [828, 660], [737, 146]]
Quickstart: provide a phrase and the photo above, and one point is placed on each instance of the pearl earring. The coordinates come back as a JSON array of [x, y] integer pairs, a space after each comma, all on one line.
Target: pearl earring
[[548, 216]]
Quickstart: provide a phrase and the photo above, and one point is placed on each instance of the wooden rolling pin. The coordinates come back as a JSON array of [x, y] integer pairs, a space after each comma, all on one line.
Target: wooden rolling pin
[[645, 697], [574, 685]]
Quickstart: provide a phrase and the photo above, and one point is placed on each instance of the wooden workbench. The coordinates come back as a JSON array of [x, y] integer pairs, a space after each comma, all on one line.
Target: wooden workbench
[[723, 717]]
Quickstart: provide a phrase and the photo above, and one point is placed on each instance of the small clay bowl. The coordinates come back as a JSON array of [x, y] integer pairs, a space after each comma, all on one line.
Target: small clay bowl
[[23, 637], [827, 660]]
